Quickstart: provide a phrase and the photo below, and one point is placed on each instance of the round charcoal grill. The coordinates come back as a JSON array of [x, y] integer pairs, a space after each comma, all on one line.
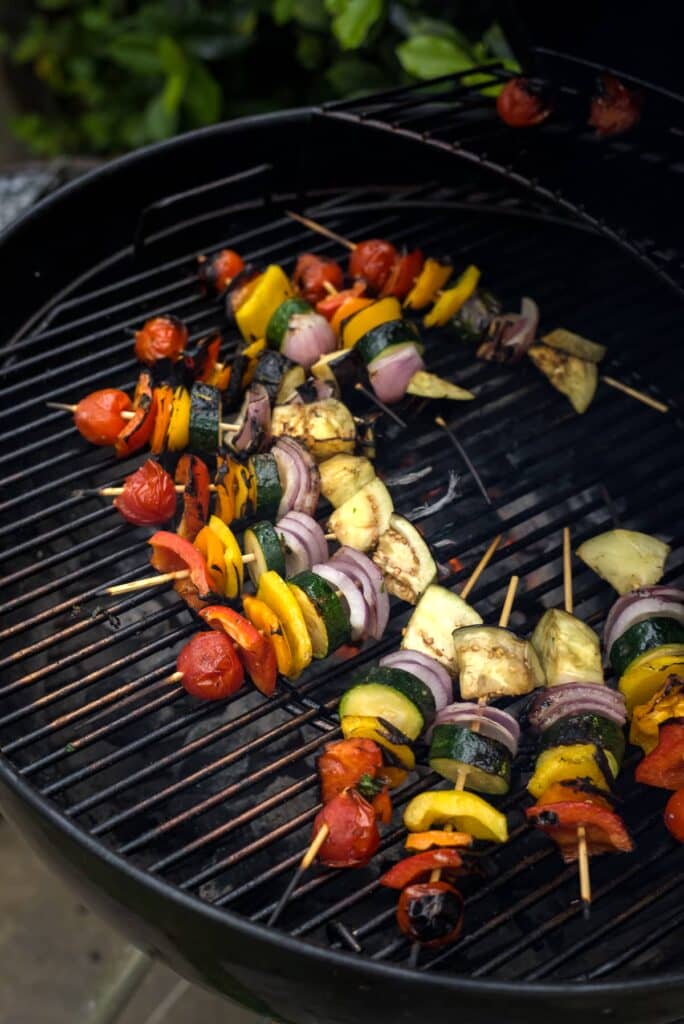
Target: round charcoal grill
[[183, 823]]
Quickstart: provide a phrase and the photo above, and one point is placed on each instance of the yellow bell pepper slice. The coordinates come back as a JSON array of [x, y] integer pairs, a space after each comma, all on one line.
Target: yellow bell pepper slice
[[366, 319], [268, 623], [648, 673], [432, 277], [451, 300], [270, 290], [274, 591], [465, 812], [178, 434], [575, 761], [210, 546], [244, 489], [369, 728], [346, 310], [667, 703], [232, 557], [252, 353]]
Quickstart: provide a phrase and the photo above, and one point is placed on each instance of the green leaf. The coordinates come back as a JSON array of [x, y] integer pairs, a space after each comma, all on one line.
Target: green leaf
[[159, 121], [136, 52], [171, 56], [282, 11], [496, 43], [310, 14], [310, 51], [353, 20], [430, 56], [202, 99], [351, 75]]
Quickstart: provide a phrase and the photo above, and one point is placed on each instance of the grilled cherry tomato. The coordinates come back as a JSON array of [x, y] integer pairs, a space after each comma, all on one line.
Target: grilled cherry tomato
[[162, 337], [353, 837], [254, 649], [614, 108], [210, 666], [605, 830], [328, 306], [98, 416], [431, 913], [343, 763], [674, 815], [171, 553], [311, 275], [664, 766], [149, 496], [413, 869], [218, 271], [406, 269], [193, 474], [138, 429], [372, 261], [520, 104]]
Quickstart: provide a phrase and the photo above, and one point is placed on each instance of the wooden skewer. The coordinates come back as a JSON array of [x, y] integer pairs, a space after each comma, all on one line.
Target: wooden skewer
[[313, 225], [112, 492], [381, 405], [640, 396], [466, 458], [582, 852], [127, 414], [321, 835]]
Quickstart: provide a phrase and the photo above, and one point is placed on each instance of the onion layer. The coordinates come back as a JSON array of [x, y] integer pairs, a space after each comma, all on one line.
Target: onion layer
[[377, 598], [645, 603], [434, 675], [358, 609], [308, 337], [557, 702], [391, 372], [492, 722]]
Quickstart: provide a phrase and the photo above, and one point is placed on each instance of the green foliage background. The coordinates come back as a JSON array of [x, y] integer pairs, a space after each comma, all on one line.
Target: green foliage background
[[102, 76]]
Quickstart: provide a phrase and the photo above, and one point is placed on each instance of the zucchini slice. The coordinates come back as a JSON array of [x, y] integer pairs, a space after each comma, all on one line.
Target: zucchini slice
[[343, 475], [642, 637], [405, 682], [326, 617], [362, 519], [430, 629], [575, 345], [586, 728], [626, 559], [262, 541], [575, 378], [385, 336], [377, 700], [278, 324], [568, 649], [405, 560], [205, 416], [269, 490], [494, 662], [457, 752]]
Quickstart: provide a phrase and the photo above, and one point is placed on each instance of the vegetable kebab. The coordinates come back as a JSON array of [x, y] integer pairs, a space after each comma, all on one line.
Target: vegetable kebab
[[384, 713], [644, 644], [581, 723]]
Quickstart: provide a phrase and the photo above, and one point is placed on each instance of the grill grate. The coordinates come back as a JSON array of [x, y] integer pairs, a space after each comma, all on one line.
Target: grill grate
[[219, 800]]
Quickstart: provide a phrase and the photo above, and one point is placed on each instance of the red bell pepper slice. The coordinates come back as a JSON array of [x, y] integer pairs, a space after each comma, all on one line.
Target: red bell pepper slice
[[328, 306], [210, 666], [255, 650], [412, 869], [354, 837], [312, 274], [171, 553], [382, 805], [148, 497], [406, 269], [664, 766], [343, 763], [431, 913], [138, 429], [605, 830], [194, 475]]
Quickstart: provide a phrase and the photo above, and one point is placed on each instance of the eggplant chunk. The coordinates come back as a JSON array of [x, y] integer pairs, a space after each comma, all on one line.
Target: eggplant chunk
[[438, 613], [494, 662], [573, 377], [575, 345], [363, 518], [626, 559], [429, 385], [343, 475], [569, 650], [404, 559], [326, 427]]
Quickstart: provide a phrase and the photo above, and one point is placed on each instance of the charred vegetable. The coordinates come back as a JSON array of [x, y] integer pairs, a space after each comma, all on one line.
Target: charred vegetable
[[495, 662], [343, 475], [405, 560], [326, 428], [568, 649], [362, 519], [430, 629], [626, 559], [573, 377]]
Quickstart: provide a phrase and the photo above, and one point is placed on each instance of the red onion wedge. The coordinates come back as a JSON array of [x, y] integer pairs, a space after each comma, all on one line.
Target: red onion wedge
[[361, 580], [306, 498], [557, 702], [492, 722], [291, 473], [645, 603], [390, 372], [434, 675], [358, 609], [372, 584], [308, 337], [255, 417], [311, 531], [296, 549]]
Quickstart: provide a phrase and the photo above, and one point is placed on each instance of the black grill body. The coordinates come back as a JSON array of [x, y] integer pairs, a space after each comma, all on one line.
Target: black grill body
[[183, 823]]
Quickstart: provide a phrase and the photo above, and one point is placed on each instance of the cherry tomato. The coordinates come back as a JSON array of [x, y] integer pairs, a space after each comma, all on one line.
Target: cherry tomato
[[353, 837], [674, 815], [372, 261], [344, 762], [219, 270], [98, 416], [614, 108], [255, 650], [328, 306], [404, 272], [412, 869], [162, 337], [521, 104], [210, 666], [149, 496], [431, 913], [311, 275]]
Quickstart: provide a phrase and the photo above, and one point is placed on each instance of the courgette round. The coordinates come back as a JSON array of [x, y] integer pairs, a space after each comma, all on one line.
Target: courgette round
[[262, 541], [642, 637], [484, 765], [387, 335], [405, 682], [205, 416], [326, 618], [269, 490], [376, 700], [586, 728], [277, 325]]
